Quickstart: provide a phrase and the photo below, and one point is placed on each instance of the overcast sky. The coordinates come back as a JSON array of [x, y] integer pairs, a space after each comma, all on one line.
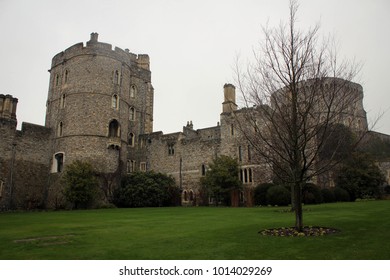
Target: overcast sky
[[192, 47]]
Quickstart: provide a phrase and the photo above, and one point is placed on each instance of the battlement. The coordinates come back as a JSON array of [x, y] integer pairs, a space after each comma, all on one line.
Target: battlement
[[8, 107], [94, 47]]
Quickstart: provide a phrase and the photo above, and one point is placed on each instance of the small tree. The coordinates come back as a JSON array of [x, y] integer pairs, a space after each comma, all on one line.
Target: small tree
[[298, 91], [81, 184], [222, 178]]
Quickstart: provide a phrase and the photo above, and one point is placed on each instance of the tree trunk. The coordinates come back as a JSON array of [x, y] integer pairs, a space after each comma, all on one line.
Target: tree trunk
[[298, 207]]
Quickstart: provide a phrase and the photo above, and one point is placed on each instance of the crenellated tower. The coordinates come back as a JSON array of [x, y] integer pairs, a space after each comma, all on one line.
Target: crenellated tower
[[100, 100]]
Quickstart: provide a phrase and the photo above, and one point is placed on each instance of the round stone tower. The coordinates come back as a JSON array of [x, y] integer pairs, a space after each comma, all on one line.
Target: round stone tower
[[99, 101]]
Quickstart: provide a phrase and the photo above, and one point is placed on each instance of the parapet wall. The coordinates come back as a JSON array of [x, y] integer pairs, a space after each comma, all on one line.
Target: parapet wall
[[93, 47]]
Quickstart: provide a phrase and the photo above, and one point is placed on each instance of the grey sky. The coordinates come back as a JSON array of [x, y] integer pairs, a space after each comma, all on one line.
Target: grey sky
[[192, 46]]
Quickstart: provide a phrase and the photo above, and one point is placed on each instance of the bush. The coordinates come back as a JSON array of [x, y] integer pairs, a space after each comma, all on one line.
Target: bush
[[278, 195], [311, 194], [260, 193], [147, 189], [328, 195], [341, 195], [361, 177], [81, 184]]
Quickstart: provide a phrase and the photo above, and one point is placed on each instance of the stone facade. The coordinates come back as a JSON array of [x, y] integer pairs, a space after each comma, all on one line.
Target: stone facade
[[100, 109]]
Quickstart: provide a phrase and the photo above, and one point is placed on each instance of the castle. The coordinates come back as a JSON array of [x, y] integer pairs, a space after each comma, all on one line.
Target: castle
[[100, 109]]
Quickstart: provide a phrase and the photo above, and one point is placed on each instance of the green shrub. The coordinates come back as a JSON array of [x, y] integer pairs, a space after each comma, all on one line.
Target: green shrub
[[328, 195], [311, 194], [147, 189], [278, 195], [260, 193], [81, 184], [341, 195]]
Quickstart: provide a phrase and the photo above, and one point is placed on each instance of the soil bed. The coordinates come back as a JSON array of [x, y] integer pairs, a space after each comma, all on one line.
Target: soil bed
[[307, 231]]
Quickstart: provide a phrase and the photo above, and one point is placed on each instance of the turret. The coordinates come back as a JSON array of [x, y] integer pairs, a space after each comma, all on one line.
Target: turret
[[8, 107], [229, 105]]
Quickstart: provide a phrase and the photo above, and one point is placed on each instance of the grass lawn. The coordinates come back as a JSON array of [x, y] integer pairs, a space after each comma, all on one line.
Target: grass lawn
[[196, 233]]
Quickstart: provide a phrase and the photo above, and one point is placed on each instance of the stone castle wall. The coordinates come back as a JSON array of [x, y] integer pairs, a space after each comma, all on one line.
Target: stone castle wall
[[100, 109]]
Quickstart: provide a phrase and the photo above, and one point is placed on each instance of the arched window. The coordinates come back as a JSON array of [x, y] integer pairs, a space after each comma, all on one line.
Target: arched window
[[131, 139], [59, 129], [132, 114], [133, 91], [114, 129], [185, 196], [115, 102], [66, 75], [59, 162], [57, 80], [62, 105], [116, 77]]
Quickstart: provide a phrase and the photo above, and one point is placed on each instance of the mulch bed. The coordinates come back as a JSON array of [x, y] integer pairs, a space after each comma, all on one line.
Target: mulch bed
[[307, 231]]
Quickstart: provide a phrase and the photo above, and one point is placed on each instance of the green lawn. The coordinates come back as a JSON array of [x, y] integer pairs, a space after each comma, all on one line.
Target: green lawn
[[196, 233]]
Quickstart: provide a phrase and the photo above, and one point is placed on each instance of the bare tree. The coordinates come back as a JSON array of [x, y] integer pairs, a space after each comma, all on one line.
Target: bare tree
[[296, 93]]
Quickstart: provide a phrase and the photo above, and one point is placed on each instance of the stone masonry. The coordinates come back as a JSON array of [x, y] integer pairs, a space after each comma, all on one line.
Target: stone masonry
[[100, 109]]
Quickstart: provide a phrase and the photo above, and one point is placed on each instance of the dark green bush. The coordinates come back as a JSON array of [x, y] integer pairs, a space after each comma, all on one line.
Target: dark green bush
[[311, 194], [147, 189], [260, 193], [278, 195], [328, 195], [341, 194]]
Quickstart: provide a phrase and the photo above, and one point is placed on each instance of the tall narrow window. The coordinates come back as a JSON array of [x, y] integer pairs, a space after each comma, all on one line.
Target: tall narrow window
[[249, 153], [66, 75], [116, 77], [132, 114], [114, 129], [133, 91], [57, 80], [1, 188], [203, 170], [115, 102], [131, 139], [239, 153], [59, 129], [62, 101], [59, 158], [232, 129], [142, 166], [250, 179]]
